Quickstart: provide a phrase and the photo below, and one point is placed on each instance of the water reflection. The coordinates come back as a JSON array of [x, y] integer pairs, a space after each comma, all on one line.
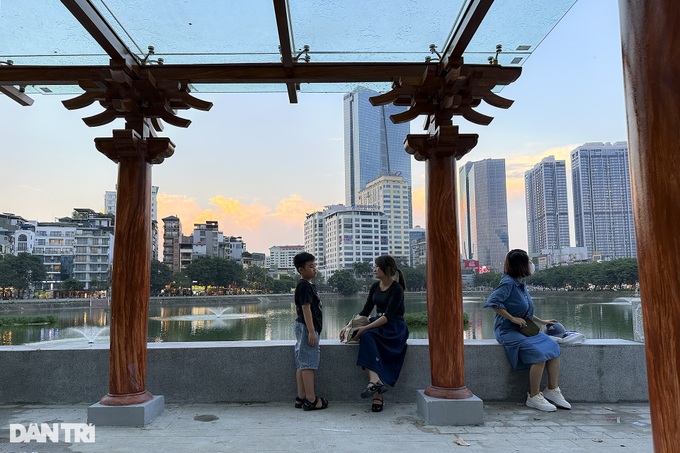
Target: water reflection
[[272, 319]]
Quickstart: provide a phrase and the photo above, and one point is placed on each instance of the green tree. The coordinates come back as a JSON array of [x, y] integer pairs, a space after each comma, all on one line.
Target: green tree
[[181, 282], [415, 277], [7, 271], [362, 269], [488, 279], [210, 271], [283, 285], [28, 272], [161, 276], [256, 277], [343, 281], [72, 285]]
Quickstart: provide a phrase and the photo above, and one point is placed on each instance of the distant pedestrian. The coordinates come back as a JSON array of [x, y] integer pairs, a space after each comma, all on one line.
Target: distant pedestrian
[[308, 325], [514, 310], [382, 345]]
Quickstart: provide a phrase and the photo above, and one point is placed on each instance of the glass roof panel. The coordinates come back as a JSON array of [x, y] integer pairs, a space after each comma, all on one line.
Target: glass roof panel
[[519, 26], [353, 30], [209, 31], [44, 32]]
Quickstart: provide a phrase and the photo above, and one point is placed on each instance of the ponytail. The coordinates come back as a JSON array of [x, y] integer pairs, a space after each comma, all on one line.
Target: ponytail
[[401, 280]]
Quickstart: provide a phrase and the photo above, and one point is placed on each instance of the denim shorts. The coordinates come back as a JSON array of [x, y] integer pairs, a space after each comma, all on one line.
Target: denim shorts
[[306, 356]]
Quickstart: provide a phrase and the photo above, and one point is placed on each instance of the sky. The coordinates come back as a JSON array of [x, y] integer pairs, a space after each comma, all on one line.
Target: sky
[[258, 164]]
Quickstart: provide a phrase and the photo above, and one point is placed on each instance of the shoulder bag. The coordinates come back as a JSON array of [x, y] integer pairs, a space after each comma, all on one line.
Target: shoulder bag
[[351, 327], [531, 328]]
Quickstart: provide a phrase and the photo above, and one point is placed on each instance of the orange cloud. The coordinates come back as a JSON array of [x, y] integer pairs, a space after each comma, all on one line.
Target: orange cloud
[[418, 200], [238, 215], [294, 209], [259, 225], [516, 166]]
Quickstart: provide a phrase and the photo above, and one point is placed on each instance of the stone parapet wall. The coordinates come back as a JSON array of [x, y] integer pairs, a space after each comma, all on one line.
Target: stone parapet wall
[[605, 371]]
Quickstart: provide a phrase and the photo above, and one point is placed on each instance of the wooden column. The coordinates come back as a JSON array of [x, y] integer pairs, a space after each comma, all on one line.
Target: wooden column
[[651, 67], [444, 284], [130, 285]]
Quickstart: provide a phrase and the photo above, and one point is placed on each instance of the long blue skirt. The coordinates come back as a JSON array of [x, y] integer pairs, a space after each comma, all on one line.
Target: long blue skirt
[[383, 350]]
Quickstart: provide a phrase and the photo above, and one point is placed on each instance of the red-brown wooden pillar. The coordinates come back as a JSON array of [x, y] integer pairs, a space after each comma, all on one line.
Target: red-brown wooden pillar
[[651, 68], [444, 284], [130, 285], [440, 148]]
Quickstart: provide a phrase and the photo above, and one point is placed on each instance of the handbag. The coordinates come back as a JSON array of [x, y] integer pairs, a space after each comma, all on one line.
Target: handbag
[[531, 328], [351, 327]]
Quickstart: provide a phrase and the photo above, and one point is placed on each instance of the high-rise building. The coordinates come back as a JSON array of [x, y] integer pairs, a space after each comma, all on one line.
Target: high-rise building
[[79, 247], [374, 146], [350, 235], [603, 207], [483, 211], [281, 256], [392, 195], [545, 191], [172, 237], [206, 239]]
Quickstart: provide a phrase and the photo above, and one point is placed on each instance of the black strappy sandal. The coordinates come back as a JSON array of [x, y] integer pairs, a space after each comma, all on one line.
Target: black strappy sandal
[[299, 402], [377, 407], [312, 406], [374, 387]]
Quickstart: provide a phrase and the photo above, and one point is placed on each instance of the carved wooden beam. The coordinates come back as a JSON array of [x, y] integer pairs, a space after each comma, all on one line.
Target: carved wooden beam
[[129, 143], [457, 92], [133, 94]]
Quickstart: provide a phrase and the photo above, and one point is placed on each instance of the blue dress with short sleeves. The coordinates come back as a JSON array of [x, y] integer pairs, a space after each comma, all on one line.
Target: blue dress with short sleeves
[[522, 351]]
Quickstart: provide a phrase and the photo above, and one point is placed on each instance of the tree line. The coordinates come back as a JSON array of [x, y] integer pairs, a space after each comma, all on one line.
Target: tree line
[[18, 274], [607, 275], [225, 273]]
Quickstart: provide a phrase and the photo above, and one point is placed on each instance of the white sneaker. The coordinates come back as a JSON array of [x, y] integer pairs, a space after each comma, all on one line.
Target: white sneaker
[[555, 397], [540, 403]]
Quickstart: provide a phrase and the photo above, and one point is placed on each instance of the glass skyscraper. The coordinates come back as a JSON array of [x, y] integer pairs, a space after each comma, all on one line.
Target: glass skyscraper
[[545, 190], [483, 208], [603, 206], [374, 146]]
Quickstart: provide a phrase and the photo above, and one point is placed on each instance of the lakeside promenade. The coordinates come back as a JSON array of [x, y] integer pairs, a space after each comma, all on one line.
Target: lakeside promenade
[[278, 427]]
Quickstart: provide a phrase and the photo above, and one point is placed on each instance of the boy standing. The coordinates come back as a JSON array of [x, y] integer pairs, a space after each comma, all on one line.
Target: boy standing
[[307, 330]]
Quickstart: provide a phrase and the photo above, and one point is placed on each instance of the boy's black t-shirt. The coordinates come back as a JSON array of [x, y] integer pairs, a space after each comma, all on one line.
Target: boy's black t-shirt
[[306, 292]]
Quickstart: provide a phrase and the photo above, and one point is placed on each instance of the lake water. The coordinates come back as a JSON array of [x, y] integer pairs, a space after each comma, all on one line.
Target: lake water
[[595, 315]]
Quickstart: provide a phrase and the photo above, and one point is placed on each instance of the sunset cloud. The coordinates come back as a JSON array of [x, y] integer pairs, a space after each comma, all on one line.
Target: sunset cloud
[[259, 225], [516, 166], [294, 209]]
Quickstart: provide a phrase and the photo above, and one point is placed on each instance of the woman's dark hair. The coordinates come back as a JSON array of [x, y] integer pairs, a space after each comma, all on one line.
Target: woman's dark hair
[[517, 264], [388, 265]]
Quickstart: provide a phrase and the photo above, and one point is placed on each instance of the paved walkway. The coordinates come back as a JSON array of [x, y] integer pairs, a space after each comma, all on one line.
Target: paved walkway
[[347, 427]]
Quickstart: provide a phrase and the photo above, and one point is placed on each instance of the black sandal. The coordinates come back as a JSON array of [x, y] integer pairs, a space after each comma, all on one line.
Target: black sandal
[[372, 388], [312, 406], [375, 407], [299, 402]]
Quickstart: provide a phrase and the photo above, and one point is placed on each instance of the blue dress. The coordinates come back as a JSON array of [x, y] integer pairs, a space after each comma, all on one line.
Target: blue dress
[[383, 349], [522, 351]]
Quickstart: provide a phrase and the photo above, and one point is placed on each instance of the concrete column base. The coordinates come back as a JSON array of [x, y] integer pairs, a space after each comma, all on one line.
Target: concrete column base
[[439, 411], [132, 415]]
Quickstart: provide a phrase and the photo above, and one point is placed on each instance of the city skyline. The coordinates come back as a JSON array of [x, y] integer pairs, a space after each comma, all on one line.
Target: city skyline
[[570, 93]]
